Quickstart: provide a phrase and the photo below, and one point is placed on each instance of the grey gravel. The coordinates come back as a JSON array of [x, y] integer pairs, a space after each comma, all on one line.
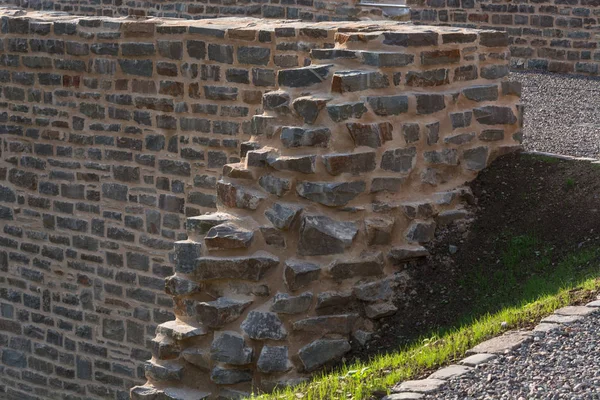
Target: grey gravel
[[562, 113], [561, 364]]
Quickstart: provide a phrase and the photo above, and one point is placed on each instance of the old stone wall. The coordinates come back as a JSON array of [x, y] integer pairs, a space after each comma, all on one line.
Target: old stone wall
[[549, 35], [112, 132], [306, 10], [352, 166]]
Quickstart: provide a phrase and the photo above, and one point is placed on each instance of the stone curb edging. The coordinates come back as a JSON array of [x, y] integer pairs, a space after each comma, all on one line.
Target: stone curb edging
[[489, 350]]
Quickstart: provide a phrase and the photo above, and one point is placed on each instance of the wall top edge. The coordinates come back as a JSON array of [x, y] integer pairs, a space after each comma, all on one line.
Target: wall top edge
[[217, 26]]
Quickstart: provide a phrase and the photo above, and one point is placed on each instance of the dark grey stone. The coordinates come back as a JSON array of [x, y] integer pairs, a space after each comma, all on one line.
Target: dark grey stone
[[283, 303], [399, 160], [282, 215], [321, 235], [298, 274], [331, 194], [216, 314], [495, 115], [322, 351], [260, 325], [301, 137], [303, 77], [230, 348], [273, 359]]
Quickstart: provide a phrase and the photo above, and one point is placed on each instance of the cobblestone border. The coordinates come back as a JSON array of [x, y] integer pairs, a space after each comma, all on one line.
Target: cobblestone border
[[490, 349]]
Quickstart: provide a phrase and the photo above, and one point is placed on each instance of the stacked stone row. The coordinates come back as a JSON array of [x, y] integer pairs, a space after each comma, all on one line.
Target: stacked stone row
[[305, 10], [554, 36], [355, 162]]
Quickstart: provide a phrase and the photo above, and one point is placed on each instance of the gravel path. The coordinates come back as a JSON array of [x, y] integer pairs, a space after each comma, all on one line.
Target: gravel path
[[562, 113], [563, 364]]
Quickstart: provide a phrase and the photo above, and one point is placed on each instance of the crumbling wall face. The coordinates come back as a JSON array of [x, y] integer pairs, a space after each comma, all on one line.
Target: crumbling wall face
[[111, 134], [554, 36], [306, 10], [354, 163]]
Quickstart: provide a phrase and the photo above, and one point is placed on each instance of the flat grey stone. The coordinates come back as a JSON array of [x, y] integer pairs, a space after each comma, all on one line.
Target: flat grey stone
[[477, 359], [575, 310], [545, 327], [179, 330], [451, 371], [420, 386], [403, 396], [322, 351], [501, 344], [561, 319], [593, 304]]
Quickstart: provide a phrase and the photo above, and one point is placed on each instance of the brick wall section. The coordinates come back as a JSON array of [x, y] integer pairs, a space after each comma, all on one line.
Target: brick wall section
[[352, 167], [306, 10], [548, 35], [113, 132]]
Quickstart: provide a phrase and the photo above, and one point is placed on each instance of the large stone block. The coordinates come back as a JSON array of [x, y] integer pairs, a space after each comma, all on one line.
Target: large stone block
[[321, 235]]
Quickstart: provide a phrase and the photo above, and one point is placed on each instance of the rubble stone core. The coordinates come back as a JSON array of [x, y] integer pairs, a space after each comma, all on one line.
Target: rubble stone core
[[218, 206]]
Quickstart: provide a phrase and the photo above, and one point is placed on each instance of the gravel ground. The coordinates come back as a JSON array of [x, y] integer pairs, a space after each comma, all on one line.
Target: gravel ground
[[562, 113], [563, 364]]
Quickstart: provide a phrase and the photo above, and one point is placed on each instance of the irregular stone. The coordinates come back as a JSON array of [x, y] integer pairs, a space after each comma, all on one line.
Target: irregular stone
[[198, 357], [430, 103], [420, 386], [298, 274], [399, 160], [179, 330], [260, 325], [561, 319], [459, 139], [331, 194], [421, 232], [309, 107], [411, 132], [380, 310], [355, 81], [275, 185], [353, 163], [461, 119], [450, 372], [477, 359], [321, 235], [300, 137], [491, 135], [228, 236], [238, 196], [379, 230], [334, 299], [322, 351], [442, 157], [575, 310], [371, 135], [277, 100], [303, 77], [501, 344], [224, 376], [481, 93], [218, 313], [283, 303], [165, 371], [374, 291], [179, 286], [388, 105], [341, 324], [418, 210], [302, 164], [495, 115], [436, 77], [433, 133], [342, 112], [273, 359], [164, 348], [476, 159], [230, 348], [259, 157], [370, 264], [251, 268], [282, 215], [203, 223]]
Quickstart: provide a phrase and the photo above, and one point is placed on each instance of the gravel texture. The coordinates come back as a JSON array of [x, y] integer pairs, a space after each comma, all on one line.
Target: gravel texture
[[561, 364], [562, 113]]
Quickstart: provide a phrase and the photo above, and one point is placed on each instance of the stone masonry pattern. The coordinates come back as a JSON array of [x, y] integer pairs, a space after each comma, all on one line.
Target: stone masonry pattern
[[351, 167], [548, 35], [231, 199], [305, 10]]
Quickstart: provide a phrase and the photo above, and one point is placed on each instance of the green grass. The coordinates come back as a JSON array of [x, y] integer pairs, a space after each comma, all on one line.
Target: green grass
[[569, 183], [523, 288], [546, 159]]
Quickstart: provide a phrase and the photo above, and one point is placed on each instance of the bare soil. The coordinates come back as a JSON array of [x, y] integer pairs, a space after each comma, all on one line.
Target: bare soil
[[555, 201]]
